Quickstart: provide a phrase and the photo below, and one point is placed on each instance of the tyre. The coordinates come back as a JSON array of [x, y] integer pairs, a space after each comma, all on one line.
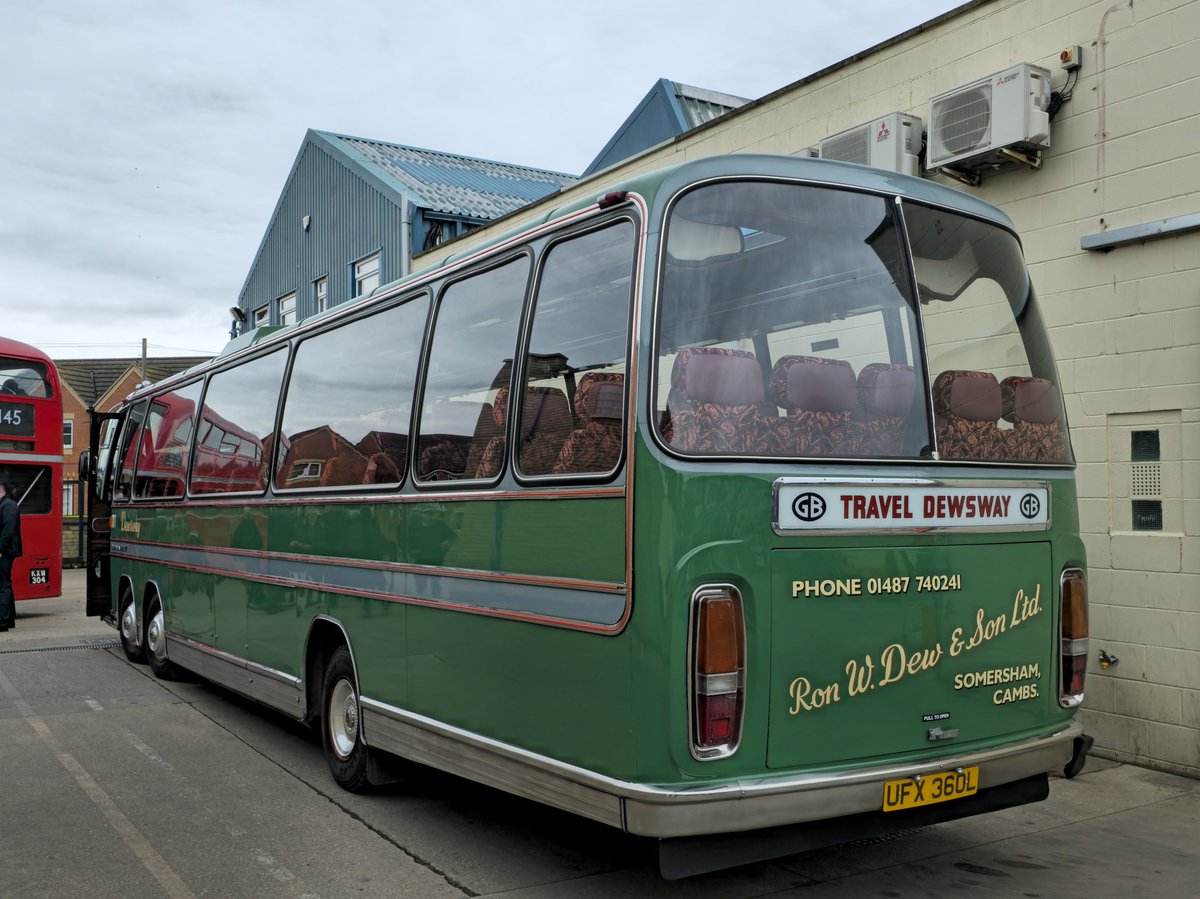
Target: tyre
[[341, 725], [127, 628], [155, 641]]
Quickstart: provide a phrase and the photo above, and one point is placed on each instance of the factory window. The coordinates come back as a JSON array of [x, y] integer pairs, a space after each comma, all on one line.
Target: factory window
[[287, 309], [366, 275]]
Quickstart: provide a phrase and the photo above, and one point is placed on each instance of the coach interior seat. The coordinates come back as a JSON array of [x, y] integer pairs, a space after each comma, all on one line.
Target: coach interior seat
[[967, 407], [1033, 407], [717, 402], [491, 458], [595, 446], [445, 441], [885, 397], [486, 430], [820, 398], [546, 423]]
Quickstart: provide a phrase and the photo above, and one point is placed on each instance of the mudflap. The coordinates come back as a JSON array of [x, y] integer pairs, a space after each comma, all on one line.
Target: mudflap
[[688, 856]]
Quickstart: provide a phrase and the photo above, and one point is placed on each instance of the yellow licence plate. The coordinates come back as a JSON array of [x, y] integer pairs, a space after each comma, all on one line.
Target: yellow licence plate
[[931, 788]]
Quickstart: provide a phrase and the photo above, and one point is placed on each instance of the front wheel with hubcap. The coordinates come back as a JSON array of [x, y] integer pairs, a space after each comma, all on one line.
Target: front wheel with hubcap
[[341, 725]]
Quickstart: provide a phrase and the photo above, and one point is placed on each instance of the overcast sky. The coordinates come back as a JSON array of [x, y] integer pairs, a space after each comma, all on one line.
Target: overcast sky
[[143, 144]]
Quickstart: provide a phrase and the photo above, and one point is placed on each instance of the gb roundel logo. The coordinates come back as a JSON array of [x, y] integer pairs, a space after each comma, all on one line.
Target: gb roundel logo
[[1030, 505], [808, 506]]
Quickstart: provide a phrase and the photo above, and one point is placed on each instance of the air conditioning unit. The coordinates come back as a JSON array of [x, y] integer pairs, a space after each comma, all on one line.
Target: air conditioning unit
[[892, 143], [806, 153], [996, 120]]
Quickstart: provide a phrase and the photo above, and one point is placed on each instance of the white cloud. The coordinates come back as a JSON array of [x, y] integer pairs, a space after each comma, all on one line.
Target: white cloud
[[147, 142]]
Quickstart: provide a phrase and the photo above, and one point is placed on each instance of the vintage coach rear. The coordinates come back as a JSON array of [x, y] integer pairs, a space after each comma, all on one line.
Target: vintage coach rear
[[733, 508]]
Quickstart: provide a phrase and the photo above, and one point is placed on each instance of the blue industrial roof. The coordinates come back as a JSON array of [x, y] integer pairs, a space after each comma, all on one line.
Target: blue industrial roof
[[446, 182], [668, 110]]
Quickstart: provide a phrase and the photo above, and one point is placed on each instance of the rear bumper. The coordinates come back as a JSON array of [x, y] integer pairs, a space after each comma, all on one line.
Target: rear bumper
[[769, 802], [666, 812]]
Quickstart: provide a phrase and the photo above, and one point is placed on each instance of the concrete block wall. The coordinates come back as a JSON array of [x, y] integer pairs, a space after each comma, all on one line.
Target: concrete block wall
[[1125, 324]]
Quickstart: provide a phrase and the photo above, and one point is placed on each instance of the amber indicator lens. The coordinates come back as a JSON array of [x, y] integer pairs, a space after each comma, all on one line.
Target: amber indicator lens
[[719, 642]]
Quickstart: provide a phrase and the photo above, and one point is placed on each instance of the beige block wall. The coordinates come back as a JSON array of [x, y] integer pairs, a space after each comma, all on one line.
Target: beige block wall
[[1125, 324]]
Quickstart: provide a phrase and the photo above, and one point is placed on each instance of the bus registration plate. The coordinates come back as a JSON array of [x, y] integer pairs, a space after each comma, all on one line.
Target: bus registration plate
[[39, 576], [911, 793]]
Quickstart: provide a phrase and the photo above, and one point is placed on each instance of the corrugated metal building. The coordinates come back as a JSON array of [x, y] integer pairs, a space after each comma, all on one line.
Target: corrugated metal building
[[354, 211], [668, 110]]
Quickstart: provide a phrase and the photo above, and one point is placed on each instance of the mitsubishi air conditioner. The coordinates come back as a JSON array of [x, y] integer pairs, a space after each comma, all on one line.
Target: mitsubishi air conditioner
[[996, 120], [892, 142]]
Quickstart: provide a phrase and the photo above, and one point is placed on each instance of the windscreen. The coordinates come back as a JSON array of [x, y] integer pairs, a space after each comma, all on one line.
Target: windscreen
[[786, 328], [22, 377], [996, 394]]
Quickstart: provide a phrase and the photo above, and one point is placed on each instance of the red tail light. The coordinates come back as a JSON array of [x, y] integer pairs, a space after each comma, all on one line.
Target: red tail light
[[718, 664], [1073, 633]]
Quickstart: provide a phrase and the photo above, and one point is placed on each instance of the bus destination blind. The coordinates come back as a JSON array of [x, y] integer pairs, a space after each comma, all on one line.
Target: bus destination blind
[[16, 420]]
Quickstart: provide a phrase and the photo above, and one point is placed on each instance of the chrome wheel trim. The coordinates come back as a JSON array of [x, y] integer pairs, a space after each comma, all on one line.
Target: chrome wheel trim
[[343, 718], [156, 636], [129, 625]]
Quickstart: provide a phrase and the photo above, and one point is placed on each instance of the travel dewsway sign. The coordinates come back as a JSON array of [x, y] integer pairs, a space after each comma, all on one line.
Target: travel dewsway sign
[[812, 505]]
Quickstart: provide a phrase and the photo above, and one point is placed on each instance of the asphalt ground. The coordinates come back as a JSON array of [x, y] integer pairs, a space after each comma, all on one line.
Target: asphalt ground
[[115, 784]]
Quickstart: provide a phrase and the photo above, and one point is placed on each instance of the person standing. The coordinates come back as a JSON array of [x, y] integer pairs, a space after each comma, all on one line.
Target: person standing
[[10, 549]]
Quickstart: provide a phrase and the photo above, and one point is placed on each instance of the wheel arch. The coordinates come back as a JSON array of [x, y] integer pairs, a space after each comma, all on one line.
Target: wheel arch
[[325, 635]]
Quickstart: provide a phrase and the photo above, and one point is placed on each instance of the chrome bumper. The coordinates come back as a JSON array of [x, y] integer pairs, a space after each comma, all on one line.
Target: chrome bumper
[[653, 811]]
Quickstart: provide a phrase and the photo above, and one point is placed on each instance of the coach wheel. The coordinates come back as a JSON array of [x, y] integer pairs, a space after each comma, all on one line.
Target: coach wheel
[[341, 725], [156, 641], [128, 629]]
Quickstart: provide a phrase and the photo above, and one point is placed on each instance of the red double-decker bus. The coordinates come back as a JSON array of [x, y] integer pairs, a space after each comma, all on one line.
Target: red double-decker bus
[[31, 454]]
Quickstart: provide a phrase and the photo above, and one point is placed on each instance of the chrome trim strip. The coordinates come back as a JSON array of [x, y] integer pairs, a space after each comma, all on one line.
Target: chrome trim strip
[[570, 603], [278, 689], [673, 811]]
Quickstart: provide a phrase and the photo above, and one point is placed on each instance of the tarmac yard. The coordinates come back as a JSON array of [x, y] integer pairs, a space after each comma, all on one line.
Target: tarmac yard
[[115, 784]]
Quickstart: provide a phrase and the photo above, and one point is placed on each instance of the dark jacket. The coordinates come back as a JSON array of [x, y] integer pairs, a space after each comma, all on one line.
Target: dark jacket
[[10, 528]]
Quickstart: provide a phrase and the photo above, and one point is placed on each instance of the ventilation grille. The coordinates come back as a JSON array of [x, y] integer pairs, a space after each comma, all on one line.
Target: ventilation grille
[[1145, 479], [1147, 515], [964, 121], [853, 146]]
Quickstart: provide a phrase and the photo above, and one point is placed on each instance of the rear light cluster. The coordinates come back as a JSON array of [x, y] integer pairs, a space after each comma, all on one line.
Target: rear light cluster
[[718, 665], [1073, 634]]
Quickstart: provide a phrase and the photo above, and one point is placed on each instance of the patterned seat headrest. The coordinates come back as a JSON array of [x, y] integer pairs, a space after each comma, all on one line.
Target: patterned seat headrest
[[601, 395], [886, 390], [500, 407], [545, 409], [1033, 400], [719, 376], [968, 395], [813, 384]]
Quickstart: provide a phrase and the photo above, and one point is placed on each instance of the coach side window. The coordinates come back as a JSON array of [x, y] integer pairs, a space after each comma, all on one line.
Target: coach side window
[[237, 421], [125, 456], [349, 402], [463, 409], [166, 443], [573, 402]]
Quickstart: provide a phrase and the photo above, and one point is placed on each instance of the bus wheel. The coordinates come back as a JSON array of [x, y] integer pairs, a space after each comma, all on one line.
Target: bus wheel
[[341, 725], [156, 641], [128, 629]]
